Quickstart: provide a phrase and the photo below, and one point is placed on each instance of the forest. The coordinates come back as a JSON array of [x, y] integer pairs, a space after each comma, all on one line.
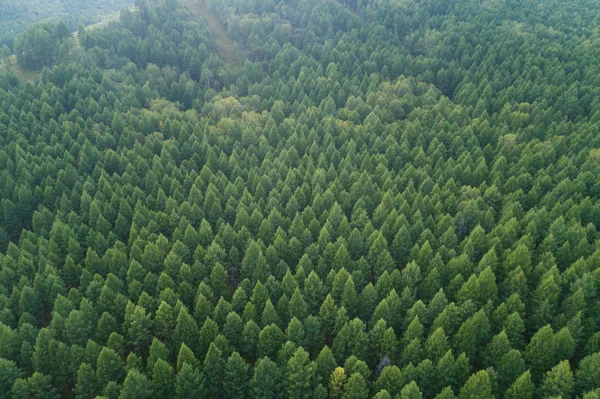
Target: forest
[[374, 199], [17, 15]]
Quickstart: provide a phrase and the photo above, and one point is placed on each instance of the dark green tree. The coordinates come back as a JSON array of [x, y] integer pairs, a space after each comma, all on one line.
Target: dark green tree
[[163, 379], [36, 386], [9, 373], [136, 385], [267, 380], [477, 386], [299, 375], [522, 388], [355, 388], [214, 372], [236, 382]]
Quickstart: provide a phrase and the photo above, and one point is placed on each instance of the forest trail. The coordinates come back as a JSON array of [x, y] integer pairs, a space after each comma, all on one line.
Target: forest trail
[[229, 51]]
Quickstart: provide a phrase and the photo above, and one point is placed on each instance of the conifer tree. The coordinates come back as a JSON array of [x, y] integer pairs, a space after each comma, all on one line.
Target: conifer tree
[[86, 386], [214, 372], [136, 385], [355, 388], [163, 379], [236, 377], [267, 380], [477, 386], [522, 388], [299, 375], [188, 383], [558, 381]]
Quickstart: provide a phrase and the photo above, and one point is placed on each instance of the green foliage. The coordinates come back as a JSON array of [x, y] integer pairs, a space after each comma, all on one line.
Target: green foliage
[[163, 379], [37, 47], [236, 377], [477, 386], [188, 383], [558, 381], [267, 380], [588, 373], [9, 373], [136, 385], [522, 388], [411, 391], [36, 386], [17, 15], [299, 375], [388, 199]]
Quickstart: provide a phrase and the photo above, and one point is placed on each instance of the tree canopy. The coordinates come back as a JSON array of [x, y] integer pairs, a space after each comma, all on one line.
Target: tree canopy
[[385, 199]]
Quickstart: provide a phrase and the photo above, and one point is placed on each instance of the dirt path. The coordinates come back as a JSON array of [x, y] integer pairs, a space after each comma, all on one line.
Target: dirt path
[[229, 51]]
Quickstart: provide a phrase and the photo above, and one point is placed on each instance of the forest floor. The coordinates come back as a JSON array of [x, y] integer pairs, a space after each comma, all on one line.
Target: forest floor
[[229, 51]]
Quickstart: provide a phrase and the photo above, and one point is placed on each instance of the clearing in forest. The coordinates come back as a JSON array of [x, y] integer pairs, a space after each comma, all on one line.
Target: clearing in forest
[[21, 74], [100, 24], [230, 51]]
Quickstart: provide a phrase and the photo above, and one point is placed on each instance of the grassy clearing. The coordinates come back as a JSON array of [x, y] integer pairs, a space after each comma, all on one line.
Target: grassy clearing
[[22, 75], [229, 51], [100, 24]]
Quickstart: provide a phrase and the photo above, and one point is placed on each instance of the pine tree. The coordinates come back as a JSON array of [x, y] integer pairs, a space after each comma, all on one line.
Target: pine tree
[[184, 356], [522, 388], [236, 377], [36, 386], [9, 373], [313, 292], [214, 372], [298, 307], [411, 391], [299, 375], [269, 315], [186, 330], [86, 386], [349, 297], [477, 386], [208, 333], [249, 340], [233, 329], [267, 381], [509, 368], [158, 350], [351, 340], [558, 381], [164, 322], [219, 281], [136, 385], [109, 367], [189, 382], [139, 333], [163, 379], [588, 373], [270, 340], [539, 353], [337, 379], [325, 363], [390, 379], [355, 388], [436, 345], [327, 314]]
